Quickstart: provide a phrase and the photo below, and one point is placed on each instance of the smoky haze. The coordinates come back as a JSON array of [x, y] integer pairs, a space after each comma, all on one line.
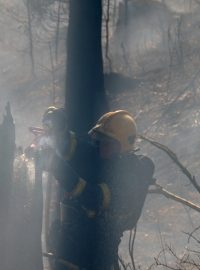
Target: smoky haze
[[155, 45], [153, 55]]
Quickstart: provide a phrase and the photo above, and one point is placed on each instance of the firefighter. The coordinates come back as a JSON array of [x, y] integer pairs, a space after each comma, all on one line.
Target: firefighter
[[105, 185]]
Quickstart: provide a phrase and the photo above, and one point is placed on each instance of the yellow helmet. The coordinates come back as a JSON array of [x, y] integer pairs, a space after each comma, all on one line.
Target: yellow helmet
[[118, 125]]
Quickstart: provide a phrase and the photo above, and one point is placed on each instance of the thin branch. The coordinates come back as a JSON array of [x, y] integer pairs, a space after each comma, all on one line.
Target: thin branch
[[122, 262], [52, 75], [191, 233], [160, 190], [193, 251], [126, 12], [30, 34], [107, 34], [192, 236], [132, 237], [161, 241], [158, 263], [125, 58], [175, 159], [57, 30]]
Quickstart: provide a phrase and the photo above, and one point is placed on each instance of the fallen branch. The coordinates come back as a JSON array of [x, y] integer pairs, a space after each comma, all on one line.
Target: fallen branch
[[193, 237], [174, 158], [160, 190]]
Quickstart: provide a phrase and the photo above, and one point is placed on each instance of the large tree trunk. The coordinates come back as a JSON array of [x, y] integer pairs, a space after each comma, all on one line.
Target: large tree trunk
[[85, 95]]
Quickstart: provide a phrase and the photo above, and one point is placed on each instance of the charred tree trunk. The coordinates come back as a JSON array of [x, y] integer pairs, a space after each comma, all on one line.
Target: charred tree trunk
[[7, 150], [20, 222], [35, 242], [85, 95]]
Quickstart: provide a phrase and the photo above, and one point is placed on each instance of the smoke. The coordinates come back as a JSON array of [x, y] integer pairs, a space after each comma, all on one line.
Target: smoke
[[160, 45], [182, 6]]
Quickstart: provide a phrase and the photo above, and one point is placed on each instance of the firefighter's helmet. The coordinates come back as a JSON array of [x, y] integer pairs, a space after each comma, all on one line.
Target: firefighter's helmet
[[118, 125], [54, 119]]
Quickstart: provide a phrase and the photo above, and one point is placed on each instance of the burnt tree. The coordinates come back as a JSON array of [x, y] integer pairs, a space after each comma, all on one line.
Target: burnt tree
[[20, 207], [85, 95], [7, 150]]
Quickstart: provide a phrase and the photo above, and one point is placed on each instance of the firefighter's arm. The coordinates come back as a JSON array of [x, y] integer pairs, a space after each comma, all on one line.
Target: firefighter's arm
[[92, 196]]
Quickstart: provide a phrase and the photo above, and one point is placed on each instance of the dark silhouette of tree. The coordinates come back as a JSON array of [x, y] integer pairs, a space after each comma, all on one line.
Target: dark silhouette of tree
[[85, 95], [7, 150]]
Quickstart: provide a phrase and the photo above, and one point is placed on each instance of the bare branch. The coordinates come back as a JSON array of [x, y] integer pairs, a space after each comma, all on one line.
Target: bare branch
[[174, 158], [122, 262], [132, 237], [181, 263], [52, 75], [192, 236], [30, 35], [160, 190], [58, 29], [107, 34]]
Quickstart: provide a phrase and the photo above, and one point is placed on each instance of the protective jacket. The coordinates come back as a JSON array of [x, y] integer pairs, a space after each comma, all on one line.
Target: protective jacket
[[102, 199]]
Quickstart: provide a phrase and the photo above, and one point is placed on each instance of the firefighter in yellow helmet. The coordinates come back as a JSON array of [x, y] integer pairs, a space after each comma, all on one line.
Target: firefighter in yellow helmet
[[117, 129], [105, 185]]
